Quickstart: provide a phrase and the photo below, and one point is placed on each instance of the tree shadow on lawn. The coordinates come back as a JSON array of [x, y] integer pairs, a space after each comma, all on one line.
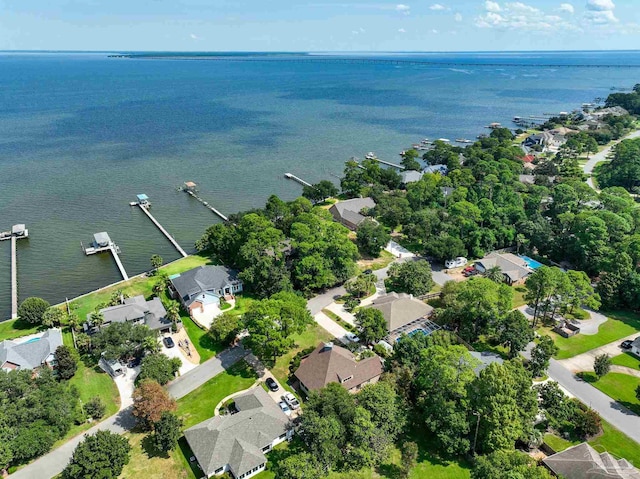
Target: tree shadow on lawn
[[188, 454], [623, 406], [150, 450]]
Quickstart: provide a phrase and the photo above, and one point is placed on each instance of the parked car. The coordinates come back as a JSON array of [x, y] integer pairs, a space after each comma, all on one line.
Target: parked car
[[469, 269], [291, 400], [285, 408], [368, 271], [271, 384], [168, 342], [455, 263], [626, 344], [353, 338]]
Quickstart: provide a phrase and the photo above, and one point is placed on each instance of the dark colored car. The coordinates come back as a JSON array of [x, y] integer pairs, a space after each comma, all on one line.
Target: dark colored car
[[626, 344], [271, 384], [168, 342], [368, 271]]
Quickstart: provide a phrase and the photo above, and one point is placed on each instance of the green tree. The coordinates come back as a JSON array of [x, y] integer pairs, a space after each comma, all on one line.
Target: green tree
[[32, 310], [408, 459], [494, 274], [101, 455], [540, 356], [411, 277], [409, 160], [225, 328], [581, 293], [588, 423], [53, 317], [166, 432], [159, 367], [371, 325], [95, 408], [96, 319], [371, 238], [361, 286], [602, 365], [299, 466], [173, 313], [66, 362], [508, 464], [385, 406], [320, 191], [123, 341], [638, 393], [514, 332], [156, 262]]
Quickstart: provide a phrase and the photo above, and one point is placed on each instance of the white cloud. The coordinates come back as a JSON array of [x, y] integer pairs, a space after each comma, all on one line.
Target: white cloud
[[519, 7], [490, 19], [437, 7], [404, 9], [402, 30], [358, 31], [458, 17], [492, 6], [194, 36], [566, 7], [600, 5], [434, 31]]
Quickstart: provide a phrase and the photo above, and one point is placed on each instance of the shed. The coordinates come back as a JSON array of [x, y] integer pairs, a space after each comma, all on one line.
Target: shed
[[101, 239], [189, 186], [143, 199], [18, 230]]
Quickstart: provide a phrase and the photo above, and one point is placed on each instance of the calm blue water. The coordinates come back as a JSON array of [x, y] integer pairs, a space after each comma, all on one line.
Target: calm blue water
[[82, 134]]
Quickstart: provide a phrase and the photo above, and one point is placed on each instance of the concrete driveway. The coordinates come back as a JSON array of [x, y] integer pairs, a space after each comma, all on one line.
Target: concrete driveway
[[126, 384], [177, 352], [332, 327], [584, 361], [345, 315]]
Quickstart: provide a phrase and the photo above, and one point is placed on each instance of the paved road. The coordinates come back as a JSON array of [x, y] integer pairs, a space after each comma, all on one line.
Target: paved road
[[197, 377], [610, 410], [602, 156], [584, 361]]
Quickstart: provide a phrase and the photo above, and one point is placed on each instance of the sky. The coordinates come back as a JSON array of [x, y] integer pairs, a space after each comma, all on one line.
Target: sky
[[319, 25]]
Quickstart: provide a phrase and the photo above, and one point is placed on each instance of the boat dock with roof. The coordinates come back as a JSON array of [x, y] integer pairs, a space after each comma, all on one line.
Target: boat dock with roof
[[144, 204], [17, 232], [189, 187], [101, 243]]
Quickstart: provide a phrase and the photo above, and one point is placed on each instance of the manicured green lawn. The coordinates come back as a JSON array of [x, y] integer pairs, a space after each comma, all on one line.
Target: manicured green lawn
[[200, 404], [619, 325], [558, 443], [628, 360], [618, 386], [518, 296], [204, 344], [152, 464], [14, 328], [312, 336], [135, 286]]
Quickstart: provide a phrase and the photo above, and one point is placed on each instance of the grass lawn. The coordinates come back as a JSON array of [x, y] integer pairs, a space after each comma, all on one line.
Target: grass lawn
[[312, 336], [627, 359], [619, 325], [618, 386], [518, 296], [152, 464], [135, 286], [558, 443], [199, 405], [14, 328], [382, 261], [204, 344]]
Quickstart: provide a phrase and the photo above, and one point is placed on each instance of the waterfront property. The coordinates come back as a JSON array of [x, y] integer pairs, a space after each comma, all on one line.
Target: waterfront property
[[410, 176], [584, 462], [237, 443], [404, 314], [135, 310], [329, 363], [349, 212], [31, 352], [207, 281]]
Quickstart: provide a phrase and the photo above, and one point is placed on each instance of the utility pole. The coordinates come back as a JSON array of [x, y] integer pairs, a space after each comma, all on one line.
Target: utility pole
[[475, 437]]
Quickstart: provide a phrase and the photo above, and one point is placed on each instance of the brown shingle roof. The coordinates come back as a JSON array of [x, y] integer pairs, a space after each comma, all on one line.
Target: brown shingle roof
[[401, 309], [332, 364]]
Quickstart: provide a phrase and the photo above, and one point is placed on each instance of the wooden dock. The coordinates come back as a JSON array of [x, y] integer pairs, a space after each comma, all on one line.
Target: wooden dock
[[163, 231], [296, 179], [114, 252], [14, 278], [193, 194], [388, 163]]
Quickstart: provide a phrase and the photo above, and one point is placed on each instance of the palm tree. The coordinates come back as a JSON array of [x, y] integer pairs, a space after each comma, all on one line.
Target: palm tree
[[97, 319], [173, 313], [494, 274]]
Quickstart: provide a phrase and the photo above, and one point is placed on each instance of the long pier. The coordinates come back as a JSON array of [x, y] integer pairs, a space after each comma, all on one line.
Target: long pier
[[114, 253], [395, 165], [189, 188], [296, 179], [14, 278], [163, 231]]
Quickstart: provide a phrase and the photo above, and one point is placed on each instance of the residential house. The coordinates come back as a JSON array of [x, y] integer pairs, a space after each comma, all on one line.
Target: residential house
[[135, 310], [439, 169], [329, 363], [584, 462], [31, 353], [612, 110], [485, 358], [635, 346], [515, 269], [208, 281], [404, 314], [410, 176], [237, 443], [349, 212]]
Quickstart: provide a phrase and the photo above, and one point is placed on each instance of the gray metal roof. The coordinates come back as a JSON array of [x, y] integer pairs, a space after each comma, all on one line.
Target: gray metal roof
[[485, 358], [237, 440], [349, 210], [31, 354], [410, 176], [203, 278], [101, 239], [584, 462], [134, 309]]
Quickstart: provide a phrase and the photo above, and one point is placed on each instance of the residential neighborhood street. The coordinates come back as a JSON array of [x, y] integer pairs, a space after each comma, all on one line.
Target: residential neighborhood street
[[584, 361], [602, 156]]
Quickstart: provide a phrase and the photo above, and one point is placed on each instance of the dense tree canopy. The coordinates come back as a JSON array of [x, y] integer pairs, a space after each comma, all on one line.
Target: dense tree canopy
[[100, 455], [32, 310], [412, 277], [124, 341], [159, 367]]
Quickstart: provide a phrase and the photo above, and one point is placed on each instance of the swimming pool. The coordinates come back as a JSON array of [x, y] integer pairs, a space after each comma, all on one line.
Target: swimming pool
[[532, 263]]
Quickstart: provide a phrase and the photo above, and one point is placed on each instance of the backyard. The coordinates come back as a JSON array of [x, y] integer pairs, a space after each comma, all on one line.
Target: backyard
[[619, 325], [151, 464]]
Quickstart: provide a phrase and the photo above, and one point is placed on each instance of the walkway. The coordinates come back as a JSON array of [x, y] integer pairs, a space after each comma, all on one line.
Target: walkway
[[164, 232], [14, 279], [332, 327], [584, 361], [602, 156]]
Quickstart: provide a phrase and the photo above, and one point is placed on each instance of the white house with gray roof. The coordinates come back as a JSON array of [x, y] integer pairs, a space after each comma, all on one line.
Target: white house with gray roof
[[203, 282], [32, 353], [349, 212], [237, 443], [135, 310]]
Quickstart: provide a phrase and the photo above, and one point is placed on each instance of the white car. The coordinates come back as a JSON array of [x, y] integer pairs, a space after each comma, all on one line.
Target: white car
[[353, 338], [455, 263], [291, 400], [285, 408]]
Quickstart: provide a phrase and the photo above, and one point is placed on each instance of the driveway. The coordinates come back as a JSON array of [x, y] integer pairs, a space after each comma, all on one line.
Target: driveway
[[584, 361], [345, 315], [177, 352], [126, 384], [197, 377], [602, 156], [332, 327]]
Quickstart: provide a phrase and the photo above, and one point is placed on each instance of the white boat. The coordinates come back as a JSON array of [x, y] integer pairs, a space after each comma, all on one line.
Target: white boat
[[370, 156], [463, 140], [403, 152], [446, 140]]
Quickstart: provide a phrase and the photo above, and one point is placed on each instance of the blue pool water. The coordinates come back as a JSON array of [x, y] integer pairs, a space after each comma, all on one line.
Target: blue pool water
[[32, 340], [533, 264]]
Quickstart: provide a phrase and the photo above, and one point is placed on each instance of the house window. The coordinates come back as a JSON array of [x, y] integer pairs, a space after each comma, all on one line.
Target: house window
[[282, 436], [346, 379], [219, 470], [266, 448]]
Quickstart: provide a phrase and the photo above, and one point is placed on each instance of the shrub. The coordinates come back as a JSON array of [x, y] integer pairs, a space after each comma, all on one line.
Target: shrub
[[32, 310], [95, 408]]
